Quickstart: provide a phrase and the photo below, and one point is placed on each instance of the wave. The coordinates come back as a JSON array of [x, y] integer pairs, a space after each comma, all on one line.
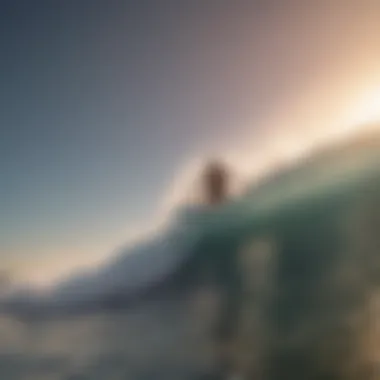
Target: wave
[[132, 270], [148, 265]]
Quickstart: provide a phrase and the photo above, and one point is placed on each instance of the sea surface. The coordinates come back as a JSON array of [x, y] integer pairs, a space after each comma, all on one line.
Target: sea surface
[[312, 313], [160, 339]]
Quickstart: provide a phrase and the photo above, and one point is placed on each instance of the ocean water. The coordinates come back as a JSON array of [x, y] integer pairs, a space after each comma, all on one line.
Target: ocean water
[[160, 339], [308, 251]]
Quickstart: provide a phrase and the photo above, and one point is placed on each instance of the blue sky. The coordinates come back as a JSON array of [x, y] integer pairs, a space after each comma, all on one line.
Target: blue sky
[[104, 101]]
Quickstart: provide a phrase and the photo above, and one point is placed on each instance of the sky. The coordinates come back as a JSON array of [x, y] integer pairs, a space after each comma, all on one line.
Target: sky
[[106, 106]]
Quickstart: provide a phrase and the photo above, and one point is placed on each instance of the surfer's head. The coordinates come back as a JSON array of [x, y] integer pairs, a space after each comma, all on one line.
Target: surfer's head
[[215, 182]]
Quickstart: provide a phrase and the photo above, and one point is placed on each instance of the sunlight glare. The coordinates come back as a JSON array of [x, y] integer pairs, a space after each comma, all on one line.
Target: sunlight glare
[[369, 109]]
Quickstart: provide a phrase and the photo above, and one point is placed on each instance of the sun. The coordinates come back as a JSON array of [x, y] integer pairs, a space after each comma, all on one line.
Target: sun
[[368, 111]]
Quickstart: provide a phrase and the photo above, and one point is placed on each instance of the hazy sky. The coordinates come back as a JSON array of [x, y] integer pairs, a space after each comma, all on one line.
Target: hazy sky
[[103, 102]]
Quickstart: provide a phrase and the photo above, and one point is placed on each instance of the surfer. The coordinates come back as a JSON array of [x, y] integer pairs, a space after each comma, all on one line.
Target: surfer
[[222, 268], [215, 183]]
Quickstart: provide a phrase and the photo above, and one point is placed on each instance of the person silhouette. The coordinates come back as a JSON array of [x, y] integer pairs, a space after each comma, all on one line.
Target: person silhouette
[[215, 183], [220, 266]]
